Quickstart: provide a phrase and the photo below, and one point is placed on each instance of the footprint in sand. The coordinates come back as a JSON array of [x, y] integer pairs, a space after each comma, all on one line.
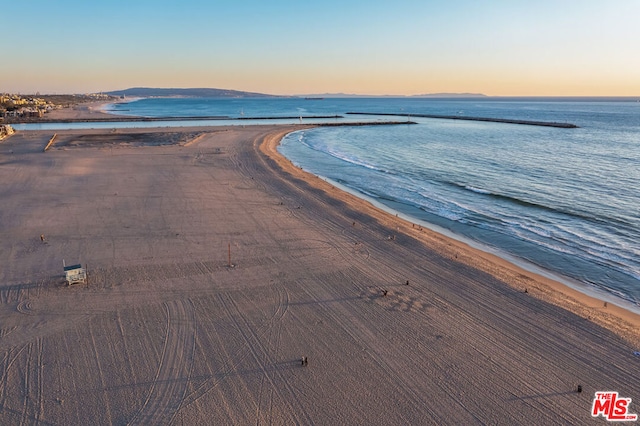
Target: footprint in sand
[[393, 300]]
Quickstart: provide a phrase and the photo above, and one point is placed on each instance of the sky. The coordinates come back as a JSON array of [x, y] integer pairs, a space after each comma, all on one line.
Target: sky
[[400, 47]]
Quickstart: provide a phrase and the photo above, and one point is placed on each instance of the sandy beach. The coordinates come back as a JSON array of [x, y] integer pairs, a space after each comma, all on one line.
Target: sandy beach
[[214, 265], [82, 111]]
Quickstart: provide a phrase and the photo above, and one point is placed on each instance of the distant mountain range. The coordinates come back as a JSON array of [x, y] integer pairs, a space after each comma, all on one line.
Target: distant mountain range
[[150, 92], [450, 95], [426, 95]]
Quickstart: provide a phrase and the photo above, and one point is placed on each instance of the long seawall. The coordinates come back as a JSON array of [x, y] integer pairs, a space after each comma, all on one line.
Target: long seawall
[[462, 117]]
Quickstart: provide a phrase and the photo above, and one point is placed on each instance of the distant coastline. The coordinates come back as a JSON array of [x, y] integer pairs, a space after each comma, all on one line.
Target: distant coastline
[[151, 92], [427, 95]]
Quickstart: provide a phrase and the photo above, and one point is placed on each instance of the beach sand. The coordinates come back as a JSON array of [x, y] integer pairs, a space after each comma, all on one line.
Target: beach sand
[[214, 265], [82, 111]]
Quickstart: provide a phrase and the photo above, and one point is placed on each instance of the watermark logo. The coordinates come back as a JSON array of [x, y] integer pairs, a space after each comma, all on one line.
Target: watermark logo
[[612, 407]]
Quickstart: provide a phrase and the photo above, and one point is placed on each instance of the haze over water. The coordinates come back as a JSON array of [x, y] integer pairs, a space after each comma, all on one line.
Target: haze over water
[[564, 199]]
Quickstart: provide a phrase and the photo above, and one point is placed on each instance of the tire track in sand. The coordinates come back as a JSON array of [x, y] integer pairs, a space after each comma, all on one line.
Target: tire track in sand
[[174, 372], [32, 410], [264, 358], [237, 357]]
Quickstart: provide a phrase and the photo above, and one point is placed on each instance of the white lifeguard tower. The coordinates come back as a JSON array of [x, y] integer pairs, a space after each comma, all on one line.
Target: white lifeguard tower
[[75, 274]]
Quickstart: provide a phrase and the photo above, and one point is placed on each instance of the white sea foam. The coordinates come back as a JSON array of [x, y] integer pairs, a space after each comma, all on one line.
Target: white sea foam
[[478, 190]]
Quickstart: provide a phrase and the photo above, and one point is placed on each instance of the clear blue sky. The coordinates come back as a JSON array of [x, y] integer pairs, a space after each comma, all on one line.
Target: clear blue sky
[[511, 47]]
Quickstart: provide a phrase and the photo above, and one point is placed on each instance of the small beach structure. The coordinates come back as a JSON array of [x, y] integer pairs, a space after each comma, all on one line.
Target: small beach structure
[[75, 274]]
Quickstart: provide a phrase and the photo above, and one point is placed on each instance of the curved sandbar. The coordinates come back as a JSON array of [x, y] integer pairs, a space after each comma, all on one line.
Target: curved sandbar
[[462, 117]]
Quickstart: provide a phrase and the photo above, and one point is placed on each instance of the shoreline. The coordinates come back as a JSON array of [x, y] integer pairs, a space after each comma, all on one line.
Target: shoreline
[[572, 283], [606, 313]]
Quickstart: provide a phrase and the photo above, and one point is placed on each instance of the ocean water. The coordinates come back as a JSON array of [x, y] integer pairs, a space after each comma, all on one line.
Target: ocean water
[[563, 199]]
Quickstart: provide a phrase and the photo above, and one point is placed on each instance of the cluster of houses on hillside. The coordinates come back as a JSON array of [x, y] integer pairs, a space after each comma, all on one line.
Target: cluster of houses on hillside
[[18, 106], [5, 131]]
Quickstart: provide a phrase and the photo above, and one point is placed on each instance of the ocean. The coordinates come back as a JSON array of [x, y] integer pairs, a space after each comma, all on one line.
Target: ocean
[[563, 199]]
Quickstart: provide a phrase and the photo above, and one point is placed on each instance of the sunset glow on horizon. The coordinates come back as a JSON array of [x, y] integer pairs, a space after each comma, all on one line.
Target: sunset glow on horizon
[[506, 48]]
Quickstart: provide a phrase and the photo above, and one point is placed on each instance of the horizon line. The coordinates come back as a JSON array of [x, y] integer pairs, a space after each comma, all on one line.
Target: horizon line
[[332, 94]]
